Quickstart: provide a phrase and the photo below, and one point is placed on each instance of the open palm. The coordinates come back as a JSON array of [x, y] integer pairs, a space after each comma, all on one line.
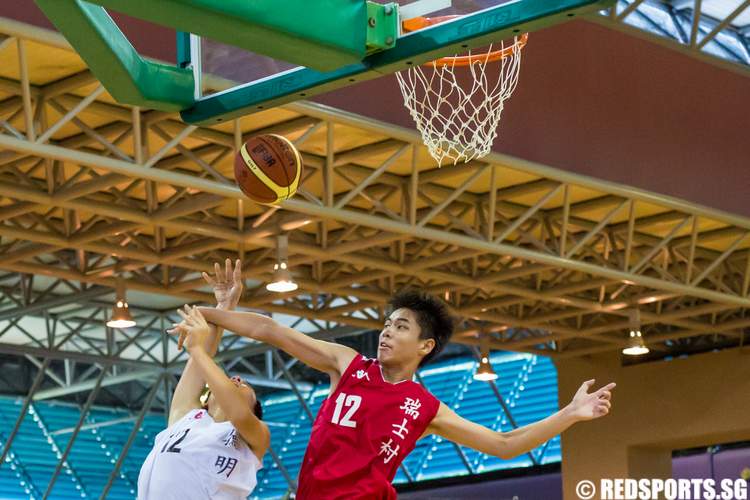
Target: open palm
[[227, 283]]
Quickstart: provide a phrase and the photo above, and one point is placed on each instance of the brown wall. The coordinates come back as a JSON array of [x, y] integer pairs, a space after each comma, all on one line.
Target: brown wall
[[656, 408], [598, 102], [149, 39]]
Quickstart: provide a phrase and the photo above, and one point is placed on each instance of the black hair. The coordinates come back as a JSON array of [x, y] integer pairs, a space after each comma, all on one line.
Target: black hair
[[258, 409], [433, 317]]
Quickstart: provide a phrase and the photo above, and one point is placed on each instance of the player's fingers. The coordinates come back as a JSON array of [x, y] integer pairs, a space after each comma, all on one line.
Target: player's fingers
[[208, 279], [586, 385], [227, 268], [177, 328], [189, 310], [181, 340], [604, 395], [197, 314], [187, 320], [217, 272], [609, 386], [238, 271]]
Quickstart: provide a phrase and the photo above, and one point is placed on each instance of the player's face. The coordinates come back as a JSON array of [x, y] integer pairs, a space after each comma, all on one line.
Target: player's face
[[247, 393], [399, 342]]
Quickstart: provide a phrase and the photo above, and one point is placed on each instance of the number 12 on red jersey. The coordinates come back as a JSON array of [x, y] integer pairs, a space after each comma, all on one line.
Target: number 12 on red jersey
[[352, 402]]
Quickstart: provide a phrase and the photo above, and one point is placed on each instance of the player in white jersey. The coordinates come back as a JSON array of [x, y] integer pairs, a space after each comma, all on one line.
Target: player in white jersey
[[215, 440]]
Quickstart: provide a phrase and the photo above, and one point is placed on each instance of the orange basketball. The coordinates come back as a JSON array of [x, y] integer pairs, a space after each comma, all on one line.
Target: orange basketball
[[267, 168]]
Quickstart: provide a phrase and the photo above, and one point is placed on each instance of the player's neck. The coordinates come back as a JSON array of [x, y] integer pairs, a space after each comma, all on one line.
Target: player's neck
[[396, 374]]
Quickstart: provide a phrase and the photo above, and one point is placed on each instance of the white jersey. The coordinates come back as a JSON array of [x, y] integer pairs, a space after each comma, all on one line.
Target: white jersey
[[197, 458]]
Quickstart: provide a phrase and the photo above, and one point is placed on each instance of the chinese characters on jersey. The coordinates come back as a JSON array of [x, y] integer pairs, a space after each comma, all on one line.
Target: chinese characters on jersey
[[232, 440], [400, 430], [225, 464]]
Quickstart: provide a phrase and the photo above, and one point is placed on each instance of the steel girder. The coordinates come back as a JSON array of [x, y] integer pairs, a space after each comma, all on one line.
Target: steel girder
[[719, 36], [69, 328]]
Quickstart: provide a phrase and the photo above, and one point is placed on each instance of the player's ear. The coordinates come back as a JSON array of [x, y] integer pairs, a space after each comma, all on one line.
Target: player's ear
[[426, 346]]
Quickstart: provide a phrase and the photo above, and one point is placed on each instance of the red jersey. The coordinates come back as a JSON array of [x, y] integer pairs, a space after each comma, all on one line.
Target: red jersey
[[362, 433]]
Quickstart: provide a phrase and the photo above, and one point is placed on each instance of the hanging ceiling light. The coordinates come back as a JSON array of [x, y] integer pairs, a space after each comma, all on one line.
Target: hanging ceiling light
[[635, 346], [282, 278], [485, 372], [121, 317]]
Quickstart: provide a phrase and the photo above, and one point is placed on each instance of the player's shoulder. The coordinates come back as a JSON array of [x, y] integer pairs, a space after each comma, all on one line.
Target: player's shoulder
[[185, 421], [194, 416], [421, 392], [359, 362], [424, 391]]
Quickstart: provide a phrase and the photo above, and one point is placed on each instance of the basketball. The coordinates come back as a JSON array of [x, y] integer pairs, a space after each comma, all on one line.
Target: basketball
[[267, 168]]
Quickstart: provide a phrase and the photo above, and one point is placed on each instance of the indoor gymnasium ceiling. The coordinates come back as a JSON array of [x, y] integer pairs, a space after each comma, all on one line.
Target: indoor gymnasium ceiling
[[554, 269]]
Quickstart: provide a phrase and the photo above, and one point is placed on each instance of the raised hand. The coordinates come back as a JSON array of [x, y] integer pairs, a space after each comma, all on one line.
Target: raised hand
[[193, 330], [227, 283], [588, 406]]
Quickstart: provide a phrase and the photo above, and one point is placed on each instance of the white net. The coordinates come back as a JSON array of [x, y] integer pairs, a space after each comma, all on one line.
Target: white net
[[459, 120]]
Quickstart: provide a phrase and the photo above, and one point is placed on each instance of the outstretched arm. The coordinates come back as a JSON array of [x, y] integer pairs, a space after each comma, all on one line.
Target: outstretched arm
[[228, 395], [187, 393], [324, 356], [507, 445], [227, 285]]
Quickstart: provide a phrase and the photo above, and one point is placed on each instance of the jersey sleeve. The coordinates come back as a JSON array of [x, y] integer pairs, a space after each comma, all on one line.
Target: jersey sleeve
[[434, 406]]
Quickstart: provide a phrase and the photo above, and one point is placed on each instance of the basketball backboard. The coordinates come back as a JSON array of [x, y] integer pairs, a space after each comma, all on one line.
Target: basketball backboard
[[252, 82], [222, 64], [339, 42]]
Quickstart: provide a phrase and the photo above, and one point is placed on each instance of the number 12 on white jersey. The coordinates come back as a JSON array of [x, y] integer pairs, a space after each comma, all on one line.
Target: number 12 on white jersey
[[352, 402]]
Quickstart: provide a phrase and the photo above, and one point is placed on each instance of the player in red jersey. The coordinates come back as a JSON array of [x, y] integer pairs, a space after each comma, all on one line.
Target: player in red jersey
[[375, 412]]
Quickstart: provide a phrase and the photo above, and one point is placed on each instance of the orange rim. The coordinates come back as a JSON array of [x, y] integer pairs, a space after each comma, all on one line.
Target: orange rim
[[420, 23]]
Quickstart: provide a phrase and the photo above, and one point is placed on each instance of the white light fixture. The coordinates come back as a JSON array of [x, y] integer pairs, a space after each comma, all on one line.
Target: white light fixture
[[485, 372], [121, 317], [282, 278], [635, 346]]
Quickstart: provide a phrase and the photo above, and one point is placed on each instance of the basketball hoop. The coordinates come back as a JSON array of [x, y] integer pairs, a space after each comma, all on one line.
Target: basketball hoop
[[459, 122]]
